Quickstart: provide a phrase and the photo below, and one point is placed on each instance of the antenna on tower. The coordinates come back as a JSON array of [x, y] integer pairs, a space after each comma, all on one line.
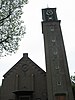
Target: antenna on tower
[[47, 6]]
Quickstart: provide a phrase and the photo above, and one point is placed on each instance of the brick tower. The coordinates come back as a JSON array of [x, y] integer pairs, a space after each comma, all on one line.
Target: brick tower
[[58, 79]]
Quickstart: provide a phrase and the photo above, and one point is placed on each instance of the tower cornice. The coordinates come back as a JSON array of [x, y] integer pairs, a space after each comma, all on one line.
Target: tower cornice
[[51, 21]]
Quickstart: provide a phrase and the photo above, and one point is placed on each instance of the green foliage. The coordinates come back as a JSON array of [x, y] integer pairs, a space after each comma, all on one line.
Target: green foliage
[[73, 84], [73, 78], [11, 25]]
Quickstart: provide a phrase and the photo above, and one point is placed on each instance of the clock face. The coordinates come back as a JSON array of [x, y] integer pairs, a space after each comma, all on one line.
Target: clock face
[[49, 12]]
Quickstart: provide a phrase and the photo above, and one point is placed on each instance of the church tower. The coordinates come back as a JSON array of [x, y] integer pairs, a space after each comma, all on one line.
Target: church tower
[[58, 79]]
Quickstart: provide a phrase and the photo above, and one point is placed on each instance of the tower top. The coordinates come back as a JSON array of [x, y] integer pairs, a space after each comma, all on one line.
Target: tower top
[[49, 14]]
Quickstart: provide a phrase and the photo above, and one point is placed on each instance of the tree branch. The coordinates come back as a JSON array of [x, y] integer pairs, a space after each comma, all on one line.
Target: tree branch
[[5, 18], [5, 40], [1, 20]]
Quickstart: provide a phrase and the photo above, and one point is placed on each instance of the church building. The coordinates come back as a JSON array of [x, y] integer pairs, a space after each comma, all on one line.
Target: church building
[[27, 81], [24, 81]]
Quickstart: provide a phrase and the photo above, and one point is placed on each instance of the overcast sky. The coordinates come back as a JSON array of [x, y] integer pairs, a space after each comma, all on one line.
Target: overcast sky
[[32, 43]]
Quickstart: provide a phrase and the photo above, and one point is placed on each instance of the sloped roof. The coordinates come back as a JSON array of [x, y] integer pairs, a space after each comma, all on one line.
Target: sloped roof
[[20, 62]]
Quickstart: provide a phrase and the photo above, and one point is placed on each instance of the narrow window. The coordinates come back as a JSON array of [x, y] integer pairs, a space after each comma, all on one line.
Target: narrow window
[[57, 67], [51, 27], [58, 83]]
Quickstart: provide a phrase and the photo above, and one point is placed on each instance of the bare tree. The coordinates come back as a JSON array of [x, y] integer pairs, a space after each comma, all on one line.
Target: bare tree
[[11, 27]]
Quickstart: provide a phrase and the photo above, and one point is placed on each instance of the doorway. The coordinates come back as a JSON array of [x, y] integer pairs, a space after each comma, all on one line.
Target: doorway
[[23, 95], [24, 98], [60, 97]]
